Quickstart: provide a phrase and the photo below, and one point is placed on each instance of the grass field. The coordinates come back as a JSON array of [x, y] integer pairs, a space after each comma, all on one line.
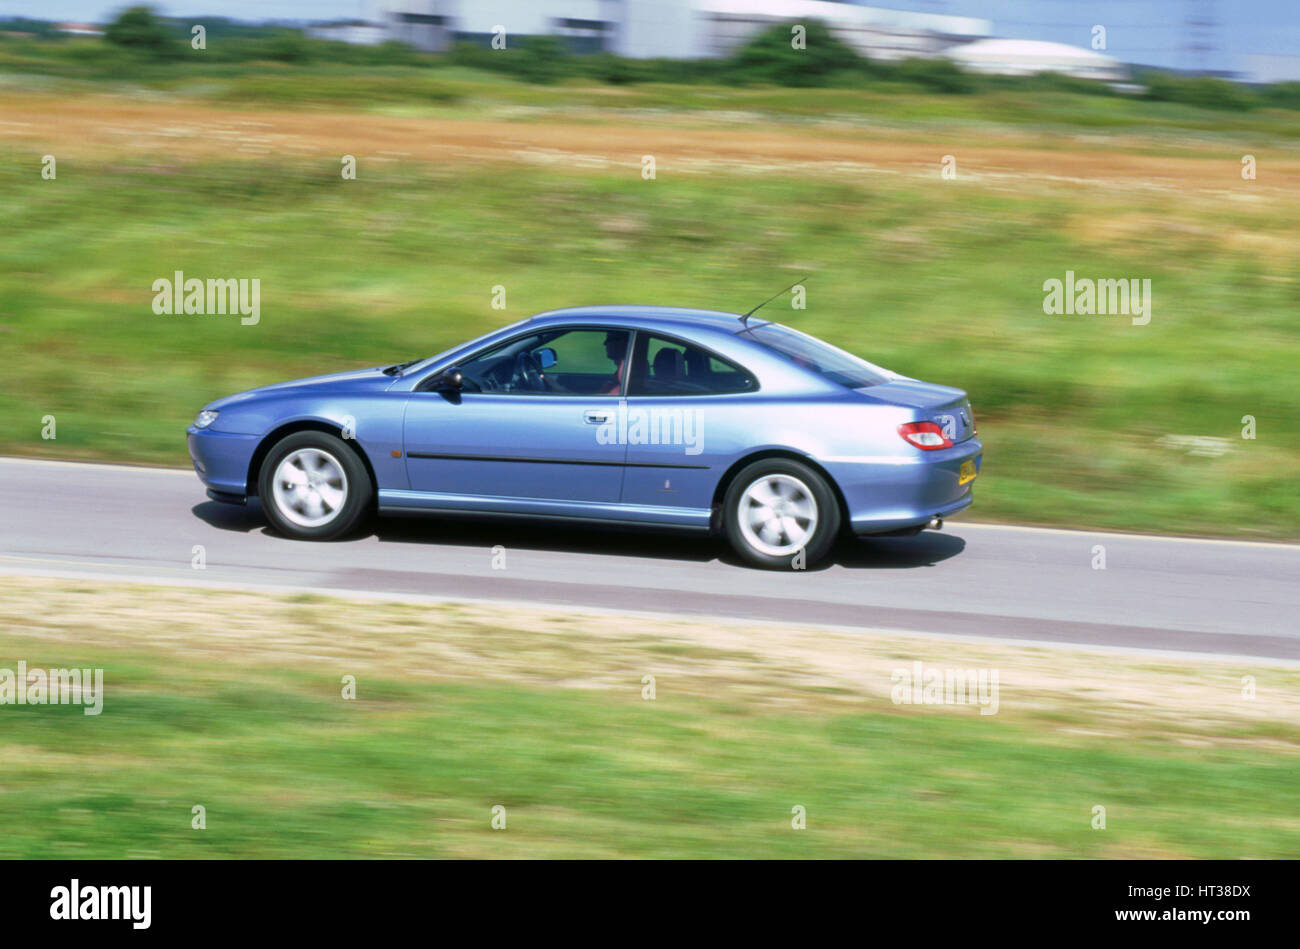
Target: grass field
[[232, 701], [1082, 416]]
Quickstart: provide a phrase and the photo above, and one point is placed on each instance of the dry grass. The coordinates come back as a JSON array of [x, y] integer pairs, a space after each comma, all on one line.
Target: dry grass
[[106, 127], [762, 665]]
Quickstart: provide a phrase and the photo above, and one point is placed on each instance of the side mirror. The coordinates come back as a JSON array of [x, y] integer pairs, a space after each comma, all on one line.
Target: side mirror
[[448, 379], [547, 357]]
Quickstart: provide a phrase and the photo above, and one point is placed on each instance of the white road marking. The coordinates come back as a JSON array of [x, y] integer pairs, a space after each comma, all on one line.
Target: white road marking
[[1125, 535], [96, 465]]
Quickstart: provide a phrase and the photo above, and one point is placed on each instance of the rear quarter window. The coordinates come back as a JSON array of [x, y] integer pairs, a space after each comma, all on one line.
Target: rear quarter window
[[820, 357], [671, 367]]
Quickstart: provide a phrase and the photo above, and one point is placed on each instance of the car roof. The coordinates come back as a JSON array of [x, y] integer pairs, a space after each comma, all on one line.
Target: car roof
[[664, 317]]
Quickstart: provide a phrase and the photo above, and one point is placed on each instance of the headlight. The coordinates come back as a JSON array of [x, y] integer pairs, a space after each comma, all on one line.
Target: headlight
[[206, 418]]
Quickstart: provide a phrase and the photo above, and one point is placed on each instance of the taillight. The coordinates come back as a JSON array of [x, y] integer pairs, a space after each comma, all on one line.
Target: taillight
[[926, 436], [974, 429]]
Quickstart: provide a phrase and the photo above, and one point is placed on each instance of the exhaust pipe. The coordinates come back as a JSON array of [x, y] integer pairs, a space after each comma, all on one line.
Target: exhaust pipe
[[935, 524]]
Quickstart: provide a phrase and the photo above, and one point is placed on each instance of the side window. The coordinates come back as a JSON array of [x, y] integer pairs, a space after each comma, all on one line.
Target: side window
[[588, 352], [552, 362], [665, 366]]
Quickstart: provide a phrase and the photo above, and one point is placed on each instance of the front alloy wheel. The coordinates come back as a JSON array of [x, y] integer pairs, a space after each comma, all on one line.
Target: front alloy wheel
[[310, 487], [313, 486]]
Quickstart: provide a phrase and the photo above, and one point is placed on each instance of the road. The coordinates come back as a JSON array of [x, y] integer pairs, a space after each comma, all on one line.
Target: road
[[970, 580]]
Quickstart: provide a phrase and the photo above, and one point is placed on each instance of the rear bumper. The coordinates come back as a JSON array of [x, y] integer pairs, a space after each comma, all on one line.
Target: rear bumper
[[221, 461], [898, 493]]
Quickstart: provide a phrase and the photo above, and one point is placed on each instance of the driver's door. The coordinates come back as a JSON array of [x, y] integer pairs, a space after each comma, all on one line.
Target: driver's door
[[532, 422]]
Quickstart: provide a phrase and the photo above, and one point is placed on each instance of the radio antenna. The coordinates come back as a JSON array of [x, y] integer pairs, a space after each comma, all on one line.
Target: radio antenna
[[744, 319]]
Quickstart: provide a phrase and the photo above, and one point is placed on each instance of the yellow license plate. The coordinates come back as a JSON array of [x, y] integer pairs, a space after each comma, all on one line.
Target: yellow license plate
[[967, 473]]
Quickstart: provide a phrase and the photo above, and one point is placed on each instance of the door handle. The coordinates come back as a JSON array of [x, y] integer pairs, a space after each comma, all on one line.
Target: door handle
[[596, 417]]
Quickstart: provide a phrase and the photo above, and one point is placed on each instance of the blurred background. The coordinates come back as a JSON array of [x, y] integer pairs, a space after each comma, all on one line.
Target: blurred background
[[931, 165], [388, 170]]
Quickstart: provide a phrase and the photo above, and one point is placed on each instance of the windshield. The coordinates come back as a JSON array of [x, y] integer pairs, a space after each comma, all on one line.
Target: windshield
[[822, 358], [430, 360]]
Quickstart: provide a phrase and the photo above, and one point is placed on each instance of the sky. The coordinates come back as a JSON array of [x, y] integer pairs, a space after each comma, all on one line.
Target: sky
[[1138, 31]]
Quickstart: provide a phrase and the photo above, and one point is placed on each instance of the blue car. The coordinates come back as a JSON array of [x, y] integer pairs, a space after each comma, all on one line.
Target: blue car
[[692, 419]]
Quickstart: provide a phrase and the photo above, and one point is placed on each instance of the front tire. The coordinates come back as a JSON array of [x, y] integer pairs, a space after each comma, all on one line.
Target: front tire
[[780, 514], [313, 486]]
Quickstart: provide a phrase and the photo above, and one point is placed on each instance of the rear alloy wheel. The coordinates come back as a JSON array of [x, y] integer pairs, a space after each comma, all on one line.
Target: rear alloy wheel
[[313, 486], [781, 514]]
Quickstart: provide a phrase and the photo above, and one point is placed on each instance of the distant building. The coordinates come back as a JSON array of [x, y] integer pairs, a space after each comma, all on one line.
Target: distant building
[[1027, 57], [79, 29], [674, 29], [356, 32], [876, 32]]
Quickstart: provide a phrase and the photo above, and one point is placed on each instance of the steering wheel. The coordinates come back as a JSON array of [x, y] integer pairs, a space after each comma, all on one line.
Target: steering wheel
[[528, 372]]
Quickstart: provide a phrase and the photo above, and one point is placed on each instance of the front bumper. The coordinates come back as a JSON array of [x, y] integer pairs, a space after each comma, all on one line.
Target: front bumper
[[895, 494], [221, 460]]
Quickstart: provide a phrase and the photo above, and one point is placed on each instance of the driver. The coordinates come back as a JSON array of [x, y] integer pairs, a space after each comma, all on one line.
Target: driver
[[616, 350]]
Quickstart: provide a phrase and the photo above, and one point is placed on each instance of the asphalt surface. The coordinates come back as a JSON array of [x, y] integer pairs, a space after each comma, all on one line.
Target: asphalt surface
[[970, 580]]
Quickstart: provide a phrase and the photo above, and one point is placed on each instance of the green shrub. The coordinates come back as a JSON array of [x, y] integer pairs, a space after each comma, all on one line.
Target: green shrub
[[1282, 95], [619, 71], [935, 75], [539, 59], [19, 24], [771, 57], [1048, 82], [141, 30], [290, 46], [1202, 91]]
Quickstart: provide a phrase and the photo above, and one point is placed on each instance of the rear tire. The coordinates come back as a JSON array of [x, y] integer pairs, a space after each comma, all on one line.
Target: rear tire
[[313, 486], [780, 514]]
